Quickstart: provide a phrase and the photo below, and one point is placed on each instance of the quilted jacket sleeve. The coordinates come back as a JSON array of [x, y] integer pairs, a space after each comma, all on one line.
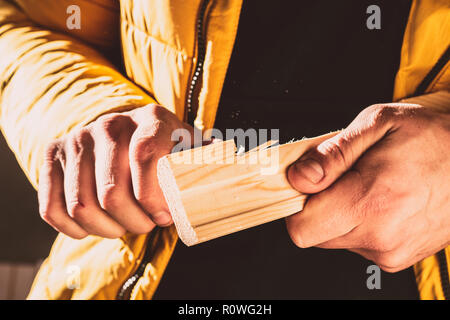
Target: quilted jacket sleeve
[[51, 83]]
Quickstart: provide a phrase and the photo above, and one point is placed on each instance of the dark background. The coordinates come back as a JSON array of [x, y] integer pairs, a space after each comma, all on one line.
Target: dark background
[[24, 237]]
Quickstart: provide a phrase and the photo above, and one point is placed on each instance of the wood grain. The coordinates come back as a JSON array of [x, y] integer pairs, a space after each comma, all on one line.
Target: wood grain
[[211, 191]]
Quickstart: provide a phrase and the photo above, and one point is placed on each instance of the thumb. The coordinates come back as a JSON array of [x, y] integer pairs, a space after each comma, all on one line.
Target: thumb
[[318, 168]]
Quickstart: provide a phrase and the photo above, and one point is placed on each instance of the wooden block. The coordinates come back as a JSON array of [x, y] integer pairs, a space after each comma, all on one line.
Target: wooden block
[[211, 191]]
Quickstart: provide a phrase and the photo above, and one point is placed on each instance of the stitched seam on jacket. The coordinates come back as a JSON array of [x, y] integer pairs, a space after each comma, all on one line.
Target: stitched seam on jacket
[[157, 39]]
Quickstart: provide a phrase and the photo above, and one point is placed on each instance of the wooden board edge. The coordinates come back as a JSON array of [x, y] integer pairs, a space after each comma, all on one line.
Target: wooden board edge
[[172, 196]]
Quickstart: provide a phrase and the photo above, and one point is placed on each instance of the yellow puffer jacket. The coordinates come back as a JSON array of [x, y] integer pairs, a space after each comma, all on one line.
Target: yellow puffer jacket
[[53, 80]]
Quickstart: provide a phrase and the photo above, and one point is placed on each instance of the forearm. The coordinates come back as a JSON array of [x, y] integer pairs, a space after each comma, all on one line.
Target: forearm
[[50, 84]]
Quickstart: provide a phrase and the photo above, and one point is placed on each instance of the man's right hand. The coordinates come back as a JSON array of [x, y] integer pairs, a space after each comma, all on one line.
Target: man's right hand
[[101, 179]]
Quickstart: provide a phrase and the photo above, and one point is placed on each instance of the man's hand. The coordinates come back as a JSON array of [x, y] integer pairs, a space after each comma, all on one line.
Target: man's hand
[[101, 179], [382, 187]]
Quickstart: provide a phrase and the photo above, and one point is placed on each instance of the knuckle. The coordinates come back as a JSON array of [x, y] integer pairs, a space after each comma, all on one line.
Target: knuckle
[[161, 113], [155, 111], [80, 142], [82, 137], [112, 125], [335, 151], [154, 108], [380, 114], [53, 151], [147, 113]]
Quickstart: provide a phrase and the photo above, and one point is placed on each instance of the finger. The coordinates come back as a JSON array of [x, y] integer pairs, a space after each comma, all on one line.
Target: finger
[[319, 168], [329, 214], [149, 142], [145, 150], [52, 206], [113, 176], [80, 189]]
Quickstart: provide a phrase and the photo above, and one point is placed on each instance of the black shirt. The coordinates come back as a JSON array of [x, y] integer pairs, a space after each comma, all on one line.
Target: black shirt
[[305, 67]]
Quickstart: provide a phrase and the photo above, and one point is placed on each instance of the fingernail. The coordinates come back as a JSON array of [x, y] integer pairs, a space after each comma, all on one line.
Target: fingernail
[[162, 218], [310, 169]]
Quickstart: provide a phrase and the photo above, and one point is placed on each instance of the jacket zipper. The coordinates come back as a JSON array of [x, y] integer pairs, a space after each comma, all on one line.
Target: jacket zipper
[[128, 286], [443, 270], [421, 89], [190, 113]]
